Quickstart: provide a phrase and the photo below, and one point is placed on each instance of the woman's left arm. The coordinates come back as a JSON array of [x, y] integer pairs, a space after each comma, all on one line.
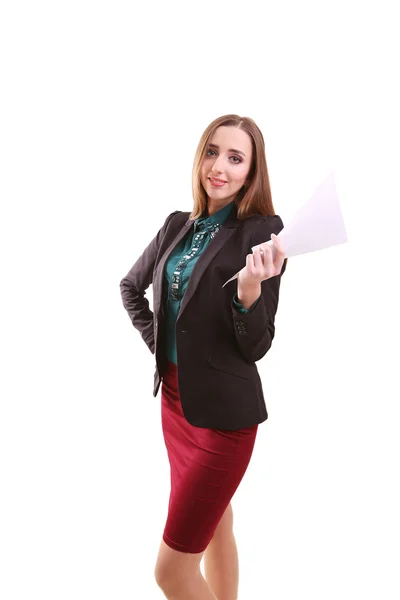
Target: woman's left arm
[[259, 280]]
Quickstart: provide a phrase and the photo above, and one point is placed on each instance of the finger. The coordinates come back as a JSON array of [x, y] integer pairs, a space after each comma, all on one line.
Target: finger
[[267, 255], [277, 243], [263, 262], [258, 257], [280, 253], [266, 246], [250, 263]]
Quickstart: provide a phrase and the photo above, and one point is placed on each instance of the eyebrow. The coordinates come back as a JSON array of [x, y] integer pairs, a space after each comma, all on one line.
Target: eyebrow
[[230, 149]]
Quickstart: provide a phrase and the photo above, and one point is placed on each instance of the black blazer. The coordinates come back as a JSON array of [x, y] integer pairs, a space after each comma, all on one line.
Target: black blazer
[[217, 347]]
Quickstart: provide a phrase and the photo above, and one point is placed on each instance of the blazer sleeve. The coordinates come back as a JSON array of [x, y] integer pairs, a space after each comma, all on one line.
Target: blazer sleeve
[[134, 285], [239, 306], [255, 330]]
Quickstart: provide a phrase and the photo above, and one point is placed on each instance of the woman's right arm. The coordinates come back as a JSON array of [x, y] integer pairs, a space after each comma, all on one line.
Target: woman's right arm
[[133, 288]]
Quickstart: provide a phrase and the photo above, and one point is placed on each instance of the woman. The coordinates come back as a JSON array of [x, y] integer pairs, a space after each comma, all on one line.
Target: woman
[[206, 339]]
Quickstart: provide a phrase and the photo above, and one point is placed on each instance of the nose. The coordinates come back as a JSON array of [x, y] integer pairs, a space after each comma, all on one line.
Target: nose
[[217, 167]]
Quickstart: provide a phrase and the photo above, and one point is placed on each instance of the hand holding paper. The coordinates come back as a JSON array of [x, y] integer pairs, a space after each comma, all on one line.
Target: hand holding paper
[[318, 224], [263, 264]]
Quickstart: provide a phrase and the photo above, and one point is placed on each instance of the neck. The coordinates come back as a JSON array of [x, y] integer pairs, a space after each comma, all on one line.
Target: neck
[[214, 207]]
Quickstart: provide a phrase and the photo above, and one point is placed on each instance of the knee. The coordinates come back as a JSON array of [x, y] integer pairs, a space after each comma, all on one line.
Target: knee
[[175, 571], [167, 578], [161, 576]]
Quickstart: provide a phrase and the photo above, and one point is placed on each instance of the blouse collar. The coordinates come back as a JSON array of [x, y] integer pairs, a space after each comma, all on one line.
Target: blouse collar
[[214, 221]]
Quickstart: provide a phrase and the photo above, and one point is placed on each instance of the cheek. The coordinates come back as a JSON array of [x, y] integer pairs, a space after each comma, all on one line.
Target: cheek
[[239, 175], [203, 172]]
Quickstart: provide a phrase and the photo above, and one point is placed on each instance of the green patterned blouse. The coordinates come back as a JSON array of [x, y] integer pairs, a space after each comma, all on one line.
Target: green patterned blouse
[[180, 265]]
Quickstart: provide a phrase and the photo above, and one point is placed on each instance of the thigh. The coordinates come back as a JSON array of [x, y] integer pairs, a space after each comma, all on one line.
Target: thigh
[[203, 484], [207, 466]]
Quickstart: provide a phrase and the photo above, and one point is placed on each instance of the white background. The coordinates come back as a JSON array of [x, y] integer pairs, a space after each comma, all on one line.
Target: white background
[[102, 107]]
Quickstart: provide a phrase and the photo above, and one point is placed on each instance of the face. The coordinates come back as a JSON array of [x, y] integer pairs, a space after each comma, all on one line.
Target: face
[[226, 165]]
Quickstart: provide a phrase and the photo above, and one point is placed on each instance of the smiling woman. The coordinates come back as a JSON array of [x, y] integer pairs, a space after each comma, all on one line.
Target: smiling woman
[[225, 168], [230, 164], [207, 338]]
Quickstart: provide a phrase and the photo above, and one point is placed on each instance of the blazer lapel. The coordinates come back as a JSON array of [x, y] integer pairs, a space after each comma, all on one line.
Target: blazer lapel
[[216, 244], [158, 275]]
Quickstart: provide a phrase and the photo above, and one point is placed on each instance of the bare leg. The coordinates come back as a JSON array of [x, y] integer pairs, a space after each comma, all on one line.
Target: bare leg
[[221, 563], [178, 575]]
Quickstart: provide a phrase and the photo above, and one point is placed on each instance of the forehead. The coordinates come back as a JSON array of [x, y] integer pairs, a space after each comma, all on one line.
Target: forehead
[[231, 137]]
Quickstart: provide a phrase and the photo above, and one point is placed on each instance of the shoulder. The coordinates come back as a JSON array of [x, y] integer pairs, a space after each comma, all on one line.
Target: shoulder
[[176, 218], [260, 227]]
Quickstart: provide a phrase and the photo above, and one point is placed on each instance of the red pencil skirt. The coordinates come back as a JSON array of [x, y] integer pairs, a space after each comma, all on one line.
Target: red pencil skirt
[[207, 466]]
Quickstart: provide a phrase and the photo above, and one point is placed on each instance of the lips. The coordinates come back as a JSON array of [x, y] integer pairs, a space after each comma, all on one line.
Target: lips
[[216, 182]]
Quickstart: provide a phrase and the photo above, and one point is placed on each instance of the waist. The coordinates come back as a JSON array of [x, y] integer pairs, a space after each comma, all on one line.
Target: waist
[[169, 366]]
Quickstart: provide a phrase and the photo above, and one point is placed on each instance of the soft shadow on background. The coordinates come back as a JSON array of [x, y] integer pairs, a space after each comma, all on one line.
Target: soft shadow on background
[[102, 109]]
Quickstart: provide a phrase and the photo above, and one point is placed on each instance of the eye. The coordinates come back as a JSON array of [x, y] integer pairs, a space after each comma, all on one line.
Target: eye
[[236, 160]]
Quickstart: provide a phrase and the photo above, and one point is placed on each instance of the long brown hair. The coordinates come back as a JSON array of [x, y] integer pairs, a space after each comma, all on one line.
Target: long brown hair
[[255, 198]]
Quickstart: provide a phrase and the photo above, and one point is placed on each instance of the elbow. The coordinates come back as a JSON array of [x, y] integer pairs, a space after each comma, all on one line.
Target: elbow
[[123, 287], [259, 353], [260, 349], [257, 350]]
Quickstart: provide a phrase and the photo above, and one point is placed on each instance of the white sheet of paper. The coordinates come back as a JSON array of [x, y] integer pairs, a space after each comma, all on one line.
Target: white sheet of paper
[[318, 224]]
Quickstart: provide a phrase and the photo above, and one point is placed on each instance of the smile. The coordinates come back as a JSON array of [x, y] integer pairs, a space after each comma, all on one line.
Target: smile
[[217, 182]]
